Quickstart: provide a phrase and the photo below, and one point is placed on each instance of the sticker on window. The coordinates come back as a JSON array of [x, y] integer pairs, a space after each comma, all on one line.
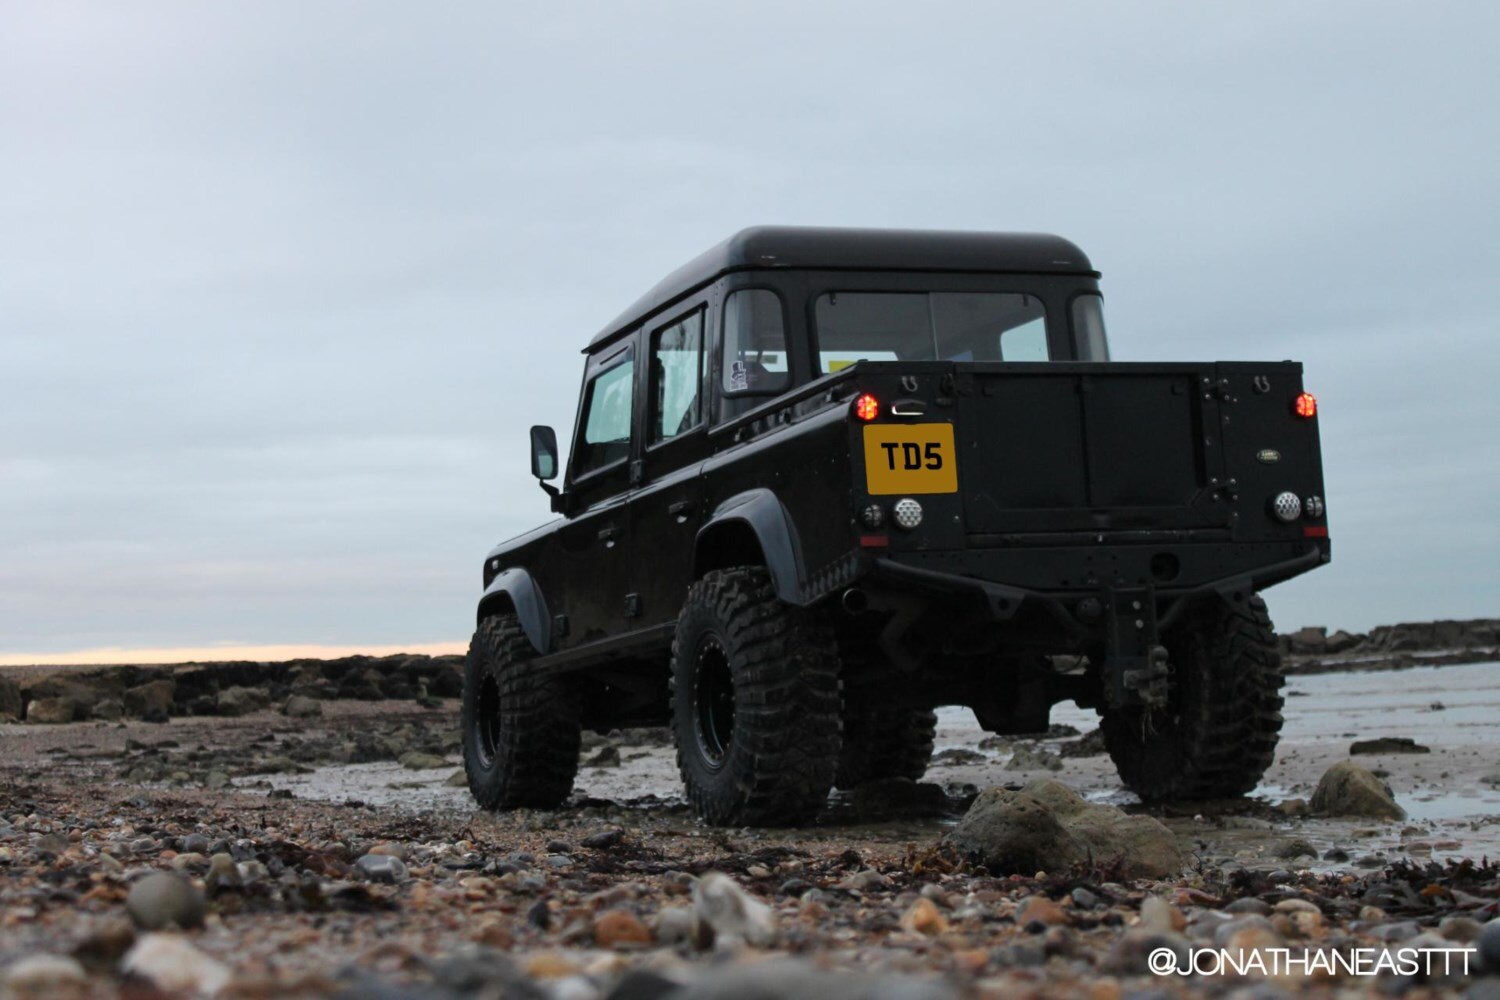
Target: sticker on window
[[739, 376]]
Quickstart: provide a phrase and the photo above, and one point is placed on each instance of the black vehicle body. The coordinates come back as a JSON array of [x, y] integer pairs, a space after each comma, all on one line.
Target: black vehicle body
[[1095, 501]]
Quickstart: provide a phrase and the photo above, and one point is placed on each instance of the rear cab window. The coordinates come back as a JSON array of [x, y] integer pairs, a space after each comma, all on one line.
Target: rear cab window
[[854, 326]]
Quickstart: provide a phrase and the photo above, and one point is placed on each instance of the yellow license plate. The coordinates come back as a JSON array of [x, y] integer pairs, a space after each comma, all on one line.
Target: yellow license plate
[[910, 458]]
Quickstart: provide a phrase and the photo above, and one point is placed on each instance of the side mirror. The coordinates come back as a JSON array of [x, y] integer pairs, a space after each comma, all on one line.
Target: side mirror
[[544, 453]]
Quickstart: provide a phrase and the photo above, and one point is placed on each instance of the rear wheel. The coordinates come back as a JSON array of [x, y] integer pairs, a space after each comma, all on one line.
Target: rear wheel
[[881, 743], [755, 703], [520, 725], [1219, 731]]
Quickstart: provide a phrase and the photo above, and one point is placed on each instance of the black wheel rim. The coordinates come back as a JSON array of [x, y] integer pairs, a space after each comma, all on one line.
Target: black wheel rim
[[487, 721], [713, 705]]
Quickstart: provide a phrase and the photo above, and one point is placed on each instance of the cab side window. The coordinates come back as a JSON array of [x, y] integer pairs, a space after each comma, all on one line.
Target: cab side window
[[677, 377], [755, 358], [606, 417]]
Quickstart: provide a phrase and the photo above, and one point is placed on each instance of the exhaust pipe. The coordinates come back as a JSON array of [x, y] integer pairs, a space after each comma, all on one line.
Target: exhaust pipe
[[855, 600]]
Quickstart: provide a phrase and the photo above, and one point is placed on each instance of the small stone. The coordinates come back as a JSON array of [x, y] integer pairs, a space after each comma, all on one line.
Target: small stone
[[1161, 916], [1084, 900], [223, 873], [924, 918], [173, 965], [105, 944], [1028, 758], [732, 912], [1387, 744], [1296, 848], [603, 840], [679, 925], [194, 843], [1400, 930], [215, 780], [864, 881], [1249, 904], [551, 965], [381, 868], [163, 900], [1037, 913], [620, 928], [607, 757], [1130, 954], [46, 977], [1464, 930], [494, 933], [1296, 906], [458, 779], [1489, 946], [416, 760]]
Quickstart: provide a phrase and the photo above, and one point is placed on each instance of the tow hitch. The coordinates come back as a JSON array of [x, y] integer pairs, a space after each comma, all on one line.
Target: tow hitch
[[1136, 669]]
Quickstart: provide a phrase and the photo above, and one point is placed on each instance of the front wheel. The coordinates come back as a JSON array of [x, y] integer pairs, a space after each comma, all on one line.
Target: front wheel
[[755, 703], [1218, 733], [520, 724]]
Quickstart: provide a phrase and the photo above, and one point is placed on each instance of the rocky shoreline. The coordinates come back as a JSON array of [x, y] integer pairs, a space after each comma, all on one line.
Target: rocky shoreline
[[107, 693], [122, 879]]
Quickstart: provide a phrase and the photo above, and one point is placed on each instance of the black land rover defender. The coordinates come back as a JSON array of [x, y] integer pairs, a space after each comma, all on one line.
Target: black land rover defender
[[824, 481]]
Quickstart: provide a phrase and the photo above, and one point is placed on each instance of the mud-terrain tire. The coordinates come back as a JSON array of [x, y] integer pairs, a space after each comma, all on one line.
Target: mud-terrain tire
[[520, 724], [755, 703], [1218, 734], [881, 743]]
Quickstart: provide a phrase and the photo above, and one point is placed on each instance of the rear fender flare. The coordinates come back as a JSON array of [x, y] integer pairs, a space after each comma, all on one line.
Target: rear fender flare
[[514, 590], [763, 513]]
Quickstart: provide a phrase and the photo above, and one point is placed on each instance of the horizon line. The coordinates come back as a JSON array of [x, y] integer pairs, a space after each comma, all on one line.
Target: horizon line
[[108, 656]]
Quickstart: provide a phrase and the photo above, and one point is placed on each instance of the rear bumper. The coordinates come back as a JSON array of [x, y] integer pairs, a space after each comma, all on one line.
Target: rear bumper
[[979, 578]]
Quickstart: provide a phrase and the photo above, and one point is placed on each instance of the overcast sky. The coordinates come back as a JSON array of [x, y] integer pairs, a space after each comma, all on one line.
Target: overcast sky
[[282, 285]]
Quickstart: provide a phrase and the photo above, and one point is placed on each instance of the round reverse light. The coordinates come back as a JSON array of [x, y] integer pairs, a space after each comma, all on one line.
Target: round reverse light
[[908, 513], [1313, 506], [873, 516], [1286, 506]]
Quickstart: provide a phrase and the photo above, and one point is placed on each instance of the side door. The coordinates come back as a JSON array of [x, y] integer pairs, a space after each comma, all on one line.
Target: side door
[[589, 594], [667, 507]]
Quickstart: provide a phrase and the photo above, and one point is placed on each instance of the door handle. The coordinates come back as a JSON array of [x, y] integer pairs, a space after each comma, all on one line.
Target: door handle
[[609, 534], [681, 507]]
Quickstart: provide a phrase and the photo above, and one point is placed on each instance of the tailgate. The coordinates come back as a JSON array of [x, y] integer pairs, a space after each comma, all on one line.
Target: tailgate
[[1103, 447]]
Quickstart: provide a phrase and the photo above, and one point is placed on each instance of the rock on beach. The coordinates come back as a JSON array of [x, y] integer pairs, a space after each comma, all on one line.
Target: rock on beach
[[1046, 826], [1346, 789]]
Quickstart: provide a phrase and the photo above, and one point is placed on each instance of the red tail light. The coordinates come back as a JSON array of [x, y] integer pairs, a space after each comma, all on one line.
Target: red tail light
[[866, 407], [1305, 406]]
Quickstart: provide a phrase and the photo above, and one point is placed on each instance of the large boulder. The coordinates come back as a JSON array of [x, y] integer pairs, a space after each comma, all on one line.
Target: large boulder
[[1342, 642], [1346, 789], [52, 711], [11, 705], [152, 699], [242, 701], [1048, 826], [1313, 639]]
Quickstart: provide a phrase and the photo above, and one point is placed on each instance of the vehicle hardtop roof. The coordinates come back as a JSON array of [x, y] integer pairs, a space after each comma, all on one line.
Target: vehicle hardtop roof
[[857, 249]]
